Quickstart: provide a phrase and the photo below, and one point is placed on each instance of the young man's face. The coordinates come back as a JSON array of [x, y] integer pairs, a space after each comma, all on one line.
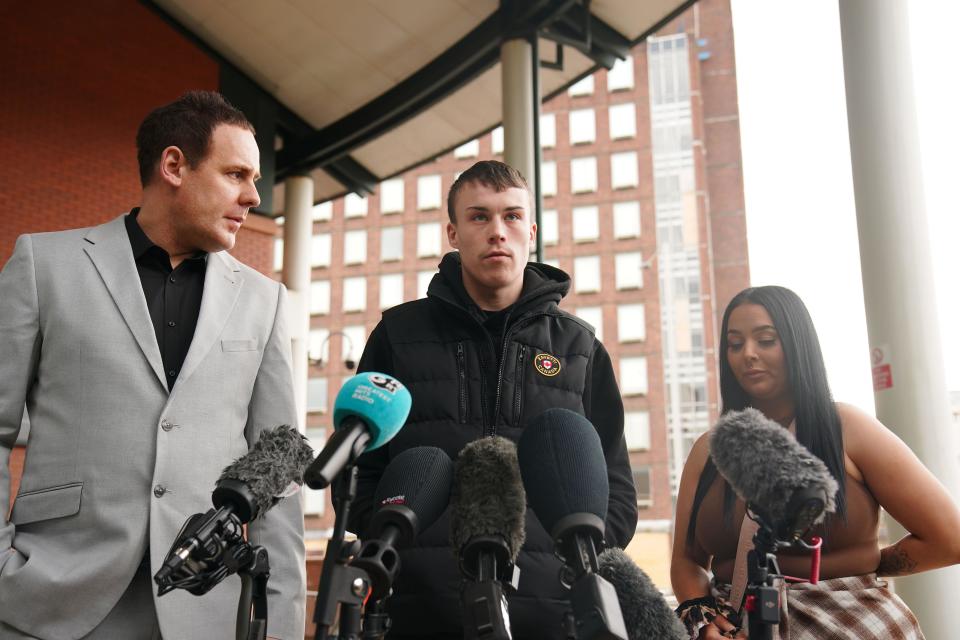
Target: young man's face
[[493, 232], [215, 196]]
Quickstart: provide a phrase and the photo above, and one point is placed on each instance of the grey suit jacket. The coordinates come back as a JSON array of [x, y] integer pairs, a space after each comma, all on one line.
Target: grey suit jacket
[[78, 349]]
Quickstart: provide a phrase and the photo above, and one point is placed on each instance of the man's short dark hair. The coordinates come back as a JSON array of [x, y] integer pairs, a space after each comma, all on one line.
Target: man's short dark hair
[[186, 123], [499, 176]]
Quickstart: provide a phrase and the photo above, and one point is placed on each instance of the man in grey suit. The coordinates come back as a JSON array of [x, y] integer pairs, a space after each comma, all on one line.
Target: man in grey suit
[[147, 359]]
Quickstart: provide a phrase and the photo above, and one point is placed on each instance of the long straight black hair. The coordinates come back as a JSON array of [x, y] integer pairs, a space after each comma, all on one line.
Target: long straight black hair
[[817, 422]]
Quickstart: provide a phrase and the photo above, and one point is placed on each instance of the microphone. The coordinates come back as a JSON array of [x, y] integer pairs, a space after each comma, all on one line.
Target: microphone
[[488, 507], [788, 488], [368, 412], [645, 611], [246, 489], [565, 475], [413, 491]]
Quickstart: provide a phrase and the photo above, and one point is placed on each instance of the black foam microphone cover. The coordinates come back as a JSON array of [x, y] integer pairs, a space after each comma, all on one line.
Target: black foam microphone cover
[[563, 467], [487, 499], [418, 479], [646, 613], [776, 475]]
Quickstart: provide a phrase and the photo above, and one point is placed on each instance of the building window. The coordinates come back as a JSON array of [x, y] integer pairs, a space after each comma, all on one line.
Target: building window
[[669, 69], [626, 219], [583, 174], [320, 250], [623, 170], [428, 239], [354, 206], [586, 274], [322, 211], [629, 268], [641, 482], [318, 347], [583, 126], [278, 254], [496, 140], [582, 88], [594, 316], [548, 178], [586, 224], [391, 244], [351, 347], [391, 196], [631, 323], [623, 121], [549, 230], [633, 376], [317, 395], [467, 150], [636, 430], [423, 281], [355, 247], [621, 75], [428, 192], [548, 131], [320, 297], [391, 290], [354, 294]]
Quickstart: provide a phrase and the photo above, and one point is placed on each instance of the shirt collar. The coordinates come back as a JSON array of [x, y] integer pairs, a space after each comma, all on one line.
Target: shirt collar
[[141, 244]]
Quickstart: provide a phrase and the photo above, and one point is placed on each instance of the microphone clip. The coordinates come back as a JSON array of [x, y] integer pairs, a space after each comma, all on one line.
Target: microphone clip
[[488, 558]]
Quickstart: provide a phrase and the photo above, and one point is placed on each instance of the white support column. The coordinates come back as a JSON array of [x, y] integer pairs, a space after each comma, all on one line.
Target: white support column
[[297, 231], [910, 387], [517, 94]]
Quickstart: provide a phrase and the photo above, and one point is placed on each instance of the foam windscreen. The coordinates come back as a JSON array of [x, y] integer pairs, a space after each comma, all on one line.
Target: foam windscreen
[[418, 478], [381, 401], [563, 467]]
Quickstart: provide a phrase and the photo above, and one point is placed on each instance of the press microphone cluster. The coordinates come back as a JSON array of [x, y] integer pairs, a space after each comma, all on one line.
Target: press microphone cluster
[[488, 507], [788, 488], [205, 550]]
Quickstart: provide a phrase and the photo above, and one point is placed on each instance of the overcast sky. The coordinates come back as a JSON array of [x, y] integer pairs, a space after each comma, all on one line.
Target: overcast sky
[[798, 185]]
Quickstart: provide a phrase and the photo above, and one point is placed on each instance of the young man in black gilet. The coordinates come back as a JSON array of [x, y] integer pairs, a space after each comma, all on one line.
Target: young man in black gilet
[[484, 353]]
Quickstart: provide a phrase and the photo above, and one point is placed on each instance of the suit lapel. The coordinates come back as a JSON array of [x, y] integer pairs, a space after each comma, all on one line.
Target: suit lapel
[[108, 247], [221, 287]]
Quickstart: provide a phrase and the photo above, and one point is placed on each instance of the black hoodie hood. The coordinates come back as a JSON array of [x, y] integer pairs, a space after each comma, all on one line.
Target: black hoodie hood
[[541, 284]]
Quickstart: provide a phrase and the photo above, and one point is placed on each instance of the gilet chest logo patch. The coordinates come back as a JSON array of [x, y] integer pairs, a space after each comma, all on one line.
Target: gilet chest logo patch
[[546, 364]]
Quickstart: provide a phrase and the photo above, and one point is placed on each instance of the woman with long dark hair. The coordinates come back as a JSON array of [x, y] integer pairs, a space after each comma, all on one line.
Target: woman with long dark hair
[[770, 360]]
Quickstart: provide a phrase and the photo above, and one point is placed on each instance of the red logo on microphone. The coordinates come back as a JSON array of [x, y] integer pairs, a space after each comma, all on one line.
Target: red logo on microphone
[[401, 499]]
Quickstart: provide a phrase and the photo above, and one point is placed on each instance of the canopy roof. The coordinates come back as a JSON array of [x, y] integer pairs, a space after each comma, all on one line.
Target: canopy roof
[[360, 91]]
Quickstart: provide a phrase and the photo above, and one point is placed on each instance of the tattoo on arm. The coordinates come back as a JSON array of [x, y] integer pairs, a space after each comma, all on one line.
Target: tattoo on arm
[[894, 561]]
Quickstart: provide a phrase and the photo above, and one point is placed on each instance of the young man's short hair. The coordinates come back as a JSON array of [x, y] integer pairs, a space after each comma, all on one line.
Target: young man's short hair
[[187, 123], [499, 176]]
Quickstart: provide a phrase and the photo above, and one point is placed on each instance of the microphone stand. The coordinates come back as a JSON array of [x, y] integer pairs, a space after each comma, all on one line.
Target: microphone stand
[[252, 608], [762, 602], [340, 583]]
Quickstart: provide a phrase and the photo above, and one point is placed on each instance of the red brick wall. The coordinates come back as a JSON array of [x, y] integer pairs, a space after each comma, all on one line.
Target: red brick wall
[[721, 117], [78, 79]]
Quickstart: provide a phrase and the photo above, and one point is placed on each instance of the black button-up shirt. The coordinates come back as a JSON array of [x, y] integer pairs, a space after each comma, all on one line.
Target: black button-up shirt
[[173, 295]]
